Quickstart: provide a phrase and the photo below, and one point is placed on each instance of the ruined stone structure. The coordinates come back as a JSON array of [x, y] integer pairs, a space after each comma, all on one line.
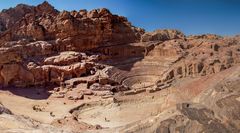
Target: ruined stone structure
[[106, 56]]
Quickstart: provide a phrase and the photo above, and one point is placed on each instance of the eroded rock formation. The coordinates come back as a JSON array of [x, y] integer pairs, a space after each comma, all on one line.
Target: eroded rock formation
[[216, 109], [203, 57], [83, 53], [38, 44]]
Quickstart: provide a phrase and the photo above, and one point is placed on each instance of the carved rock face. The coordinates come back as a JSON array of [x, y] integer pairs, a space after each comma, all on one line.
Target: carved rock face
[[33, 40], [63, 34], [40, 46], [79, 30]]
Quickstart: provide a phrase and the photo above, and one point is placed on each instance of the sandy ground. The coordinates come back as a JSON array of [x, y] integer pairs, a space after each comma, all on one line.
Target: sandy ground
[[128, 109], [107, 114], [115, 115], [18, 102]]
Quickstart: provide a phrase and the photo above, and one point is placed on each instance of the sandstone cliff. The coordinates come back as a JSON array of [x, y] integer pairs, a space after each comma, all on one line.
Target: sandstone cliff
[[30, 34], [96, 53]]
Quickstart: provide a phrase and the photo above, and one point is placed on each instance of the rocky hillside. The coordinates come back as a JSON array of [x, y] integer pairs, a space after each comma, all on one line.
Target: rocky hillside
[[96, 53], [214, 110], [31, 34], [77, 30]]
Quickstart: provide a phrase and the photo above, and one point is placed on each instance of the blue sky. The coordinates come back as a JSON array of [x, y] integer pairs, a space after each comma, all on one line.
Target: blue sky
[[190, 16]]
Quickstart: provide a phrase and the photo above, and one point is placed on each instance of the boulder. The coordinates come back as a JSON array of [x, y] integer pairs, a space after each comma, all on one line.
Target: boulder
[[75, 97], [64, 58]]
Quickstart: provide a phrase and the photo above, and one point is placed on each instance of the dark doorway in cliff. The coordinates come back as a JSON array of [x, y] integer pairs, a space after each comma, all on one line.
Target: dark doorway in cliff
[[215, 47], [49, 75]]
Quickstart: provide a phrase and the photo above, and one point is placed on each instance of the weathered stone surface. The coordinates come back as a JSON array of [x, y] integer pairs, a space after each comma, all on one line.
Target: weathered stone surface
[[216, 109], [99, 54], [162, 35], [64, 58], [75, 96], [16, 123], [202, 57], [97, 28], [4, 110], [73, 124], [45, 43]]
